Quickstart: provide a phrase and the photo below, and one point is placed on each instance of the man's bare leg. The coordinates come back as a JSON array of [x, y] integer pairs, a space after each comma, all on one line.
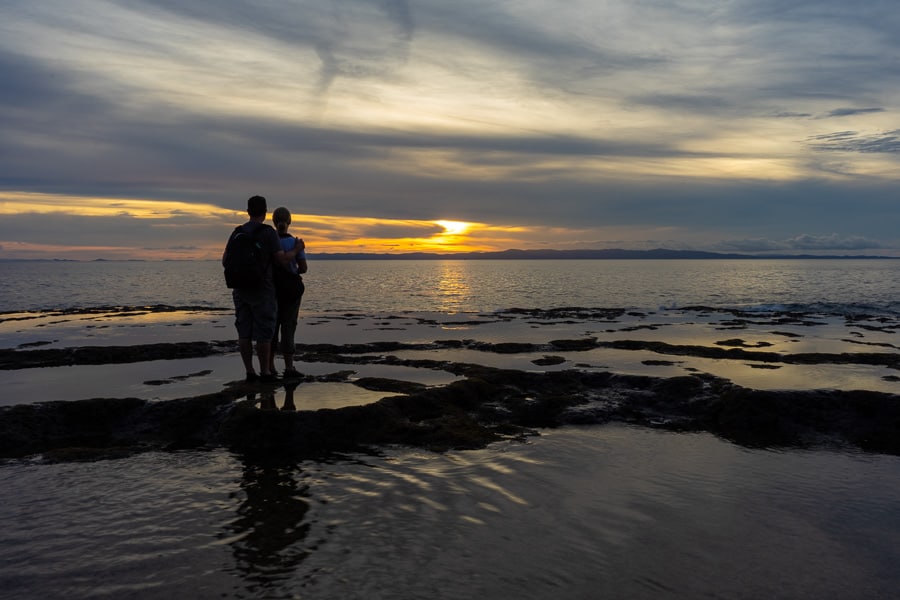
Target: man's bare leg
[[273, 348], [264, 352], [246, 348]]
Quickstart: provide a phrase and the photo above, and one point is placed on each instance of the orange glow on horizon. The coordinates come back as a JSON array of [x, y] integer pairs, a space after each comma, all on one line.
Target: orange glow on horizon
[[175, 230], [79, 206]]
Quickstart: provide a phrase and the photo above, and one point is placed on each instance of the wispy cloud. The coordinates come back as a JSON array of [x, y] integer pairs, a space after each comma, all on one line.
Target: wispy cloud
[[853, 141], [847, 112]]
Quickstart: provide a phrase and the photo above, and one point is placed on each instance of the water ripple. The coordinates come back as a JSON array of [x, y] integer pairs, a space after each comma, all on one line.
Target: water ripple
[[593, 512]]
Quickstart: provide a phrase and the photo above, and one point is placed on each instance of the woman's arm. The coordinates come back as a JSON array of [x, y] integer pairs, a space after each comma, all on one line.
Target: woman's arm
[[300, 247]]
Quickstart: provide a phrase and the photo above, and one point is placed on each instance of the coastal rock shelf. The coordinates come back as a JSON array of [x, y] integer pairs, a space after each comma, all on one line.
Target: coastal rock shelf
[[486, 405], [120, 380], [99, 355]]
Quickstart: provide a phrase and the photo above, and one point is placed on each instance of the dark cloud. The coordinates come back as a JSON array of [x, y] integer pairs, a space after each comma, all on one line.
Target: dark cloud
[[793, 115], [337, 231], [803, 242], [26, 82], [836, 113], [851, 141], [188, 249], [693, 103], [846, 112], [832, 242], [181, 153], [400, 231], [39, 99], [819, 50], [548, 56]]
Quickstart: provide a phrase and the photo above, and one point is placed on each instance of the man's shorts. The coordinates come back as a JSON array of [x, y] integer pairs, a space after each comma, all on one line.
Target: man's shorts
[[255, 314]]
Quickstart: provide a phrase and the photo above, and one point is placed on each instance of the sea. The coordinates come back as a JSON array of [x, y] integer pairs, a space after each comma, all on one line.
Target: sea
[[599, 511], [839, 286]]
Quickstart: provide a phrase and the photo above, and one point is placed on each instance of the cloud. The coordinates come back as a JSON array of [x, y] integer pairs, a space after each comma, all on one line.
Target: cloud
[[390, 230], [339, 230], [804, 242], [887, 142], [691, 103], [834, 113], [832, 242], [353, 39], [846, 112], [793, 115]]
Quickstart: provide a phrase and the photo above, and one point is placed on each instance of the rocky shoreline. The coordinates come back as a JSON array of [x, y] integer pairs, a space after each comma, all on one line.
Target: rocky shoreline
[[480, 398], [485, 405], [11, 359]]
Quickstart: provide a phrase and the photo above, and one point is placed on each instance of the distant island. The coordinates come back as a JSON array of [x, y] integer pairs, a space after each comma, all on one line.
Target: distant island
[[611, 254]]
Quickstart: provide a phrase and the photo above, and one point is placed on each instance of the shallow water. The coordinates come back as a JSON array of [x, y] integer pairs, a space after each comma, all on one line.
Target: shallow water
[[592, 512], [170, 379]]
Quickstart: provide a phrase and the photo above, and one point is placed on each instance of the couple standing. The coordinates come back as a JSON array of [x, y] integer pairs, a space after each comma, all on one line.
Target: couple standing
[[268, 312]]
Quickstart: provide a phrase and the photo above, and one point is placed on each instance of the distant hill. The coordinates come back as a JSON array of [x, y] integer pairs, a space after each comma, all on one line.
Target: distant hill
[[658, 254]]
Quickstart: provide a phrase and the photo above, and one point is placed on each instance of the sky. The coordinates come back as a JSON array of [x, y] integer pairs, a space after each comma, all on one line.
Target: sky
[[139, 128]]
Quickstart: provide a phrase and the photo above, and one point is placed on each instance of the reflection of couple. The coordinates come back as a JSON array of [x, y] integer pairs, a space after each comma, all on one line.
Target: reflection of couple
[[269, 531], [267, 398]]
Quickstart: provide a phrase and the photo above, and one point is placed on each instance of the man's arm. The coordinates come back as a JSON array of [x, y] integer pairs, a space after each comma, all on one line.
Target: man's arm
[[272, 242], [286, 257]]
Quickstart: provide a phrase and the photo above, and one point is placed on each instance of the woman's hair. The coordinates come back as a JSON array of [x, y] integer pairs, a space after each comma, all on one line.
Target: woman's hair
[[282, 218]]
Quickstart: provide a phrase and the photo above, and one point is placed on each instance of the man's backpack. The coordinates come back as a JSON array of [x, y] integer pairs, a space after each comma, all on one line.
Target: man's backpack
[[245, 264]]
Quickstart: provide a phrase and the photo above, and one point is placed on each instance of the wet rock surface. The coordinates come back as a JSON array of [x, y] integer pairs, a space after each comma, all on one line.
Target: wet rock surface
[[104, 355], [486, 405], [483, 405], [96, 355]]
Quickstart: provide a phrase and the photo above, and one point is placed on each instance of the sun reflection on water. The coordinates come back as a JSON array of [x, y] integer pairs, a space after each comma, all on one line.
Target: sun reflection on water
[[453, 287]]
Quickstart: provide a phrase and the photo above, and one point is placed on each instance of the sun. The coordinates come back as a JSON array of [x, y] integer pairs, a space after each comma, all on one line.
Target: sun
[[453, 238], [454, 227]]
